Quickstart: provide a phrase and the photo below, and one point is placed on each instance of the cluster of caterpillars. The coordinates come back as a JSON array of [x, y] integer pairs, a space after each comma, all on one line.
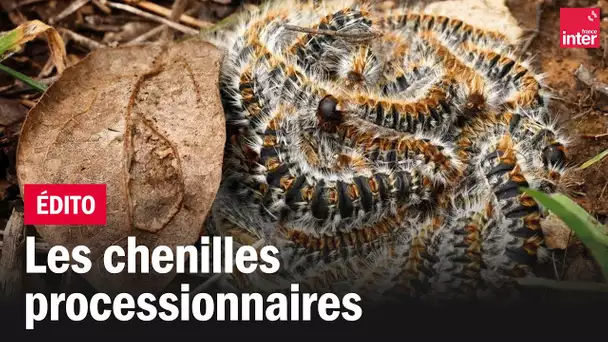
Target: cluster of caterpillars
[[391, 163]]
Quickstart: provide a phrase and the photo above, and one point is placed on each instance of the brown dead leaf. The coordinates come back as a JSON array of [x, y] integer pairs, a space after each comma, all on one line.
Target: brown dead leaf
[[146, 121], [13, 40]]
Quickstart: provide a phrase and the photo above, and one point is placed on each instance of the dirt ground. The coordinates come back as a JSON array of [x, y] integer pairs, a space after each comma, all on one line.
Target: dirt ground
[[583, 113]]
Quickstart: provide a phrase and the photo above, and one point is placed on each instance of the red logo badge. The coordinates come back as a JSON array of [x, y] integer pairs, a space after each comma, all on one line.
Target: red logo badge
[[64, 204], [579, 27]]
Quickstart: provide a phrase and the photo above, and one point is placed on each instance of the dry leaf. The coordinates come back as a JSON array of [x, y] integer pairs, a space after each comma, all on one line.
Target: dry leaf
[[146, 121], [13, 40]]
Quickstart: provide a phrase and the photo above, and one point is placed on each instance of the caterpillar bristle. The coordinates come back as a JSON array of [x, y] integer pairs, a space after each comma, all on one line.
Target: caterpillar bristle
[[392, 164]]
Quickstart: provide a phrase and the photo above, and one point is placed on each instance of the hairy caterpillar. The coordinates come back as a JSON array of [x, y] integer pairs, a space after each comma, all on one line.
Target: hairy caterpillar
[[384, 165]]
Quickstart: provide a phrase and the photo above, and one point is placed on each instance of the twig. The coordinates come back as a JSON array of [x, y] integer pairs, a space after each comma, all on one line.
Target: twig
[[603, 190], [595, 137], [49, 80], [142, 38], [160, 10], [352, 36], [580, 115], [105, 9], [82, 40], [73, 7], [11, 260], [28, 103], [48, 68], [178, 9], [152, 33], [136, 11]]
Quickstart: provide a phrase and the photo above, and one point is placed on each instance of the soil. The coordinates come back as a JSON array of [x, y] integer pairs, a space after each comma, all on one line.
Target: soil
[[582, 113]]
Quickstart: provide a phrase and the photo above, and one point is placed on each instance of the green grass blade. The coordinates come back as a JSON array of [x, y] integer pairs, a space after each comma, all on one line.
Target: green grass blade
[[596, 229], [23, 78], [594, 159], [586, 228], [8, 43]]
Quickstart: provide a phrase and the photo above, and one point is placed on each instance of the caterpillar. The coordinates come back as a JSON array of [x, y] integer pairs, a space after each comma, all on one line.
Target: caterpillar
[[384, 165]]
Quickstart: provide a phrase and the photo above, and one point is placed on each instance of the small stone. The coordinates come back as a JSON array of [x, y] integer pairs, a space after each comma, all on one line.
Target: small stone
[[557, 233]]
